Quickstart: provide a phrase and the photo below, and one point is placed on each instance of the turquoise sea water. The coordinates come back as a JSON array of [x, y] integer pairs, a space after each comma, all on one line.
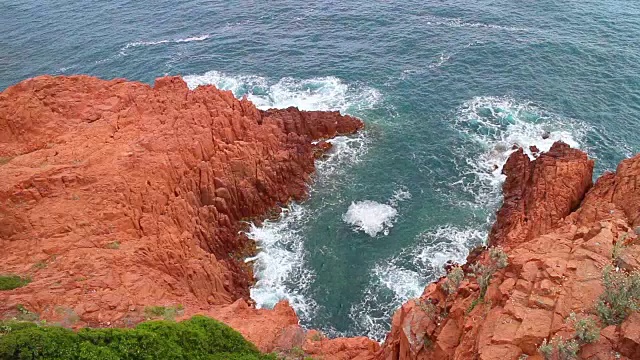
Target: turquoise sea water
[[445, 88]]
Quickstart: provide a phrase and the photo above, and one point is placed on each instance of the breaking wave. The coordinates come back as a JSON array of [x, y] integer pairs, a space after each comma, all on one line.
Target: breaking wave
[[322, 93], [497, 126], [371, 217], [280, 264]]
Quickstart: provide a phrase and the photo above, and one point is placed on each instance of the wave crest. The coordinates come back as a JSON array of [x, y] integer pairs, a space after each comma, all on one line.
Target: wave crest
[[322, 93]]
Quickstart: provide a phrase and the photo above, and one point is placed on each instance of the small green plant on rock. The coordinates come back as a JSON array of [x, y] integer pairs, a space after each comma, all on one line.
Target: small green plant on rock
[[40, 265], [454, 278], [546, 349], [429, 308], [427, 342], [10, 282], [25, 315], [473, 305], [565, 349], [587, 331], [498, 257], [115, 245], [297, 352], [483, 273], [5, 159], [618, 247], [168, 313], [621, 295]]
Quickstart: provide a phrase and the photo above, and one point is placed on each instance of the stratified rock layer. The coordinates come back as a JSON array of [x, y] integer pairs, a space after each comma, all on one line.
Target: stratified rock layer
[[556, 258], [115, 195]]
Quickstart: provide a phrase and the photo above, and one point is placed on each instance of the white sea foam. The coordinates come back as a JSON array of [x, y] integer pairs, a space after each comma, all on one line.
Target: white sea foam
[[498, 125], [323, 93], [123, 50], [405, 275], [443, 58], [457, 22], [345, 151], [371, 217], [279, 266], [399, 195]]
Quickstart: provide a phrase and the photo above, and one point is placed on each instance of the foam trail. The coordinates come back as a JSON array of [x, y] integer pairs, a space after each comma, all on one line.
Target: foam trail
[[405, 275], [123, 50], [459, 23], [441, 60]]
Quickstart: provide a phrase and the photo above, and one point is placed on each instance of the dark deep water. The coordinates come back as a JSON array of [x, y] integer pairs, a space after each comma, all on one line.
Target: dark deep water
[[445, 90]]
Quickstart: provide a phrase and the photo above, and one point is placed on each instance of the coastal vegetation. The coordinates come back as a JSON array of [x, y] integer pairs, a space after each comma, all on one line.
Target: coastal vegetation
[[197, 338]]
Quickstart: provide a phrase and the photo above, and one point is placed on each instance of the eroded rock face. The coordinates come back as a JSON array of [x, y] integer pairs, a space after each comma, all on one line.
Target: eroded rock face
[[116, 195], [556, 259], [538, 194]]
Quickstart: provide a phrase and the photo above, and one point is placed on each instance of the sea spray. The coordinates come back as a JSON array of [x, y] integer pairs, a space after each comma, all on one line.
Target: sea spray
[[373, 217]]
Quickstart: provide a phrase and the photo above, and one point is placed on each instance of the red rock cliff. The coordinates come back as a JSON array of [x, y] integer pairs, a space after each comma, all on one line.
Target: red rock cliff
[[115, 195], [558, 243]]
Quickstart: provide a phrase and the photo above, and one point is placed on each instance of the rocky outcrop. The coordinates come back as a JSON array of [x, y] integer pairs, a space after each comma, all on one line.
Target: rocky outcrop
[[116, 195], [558, 243], [538, 194]]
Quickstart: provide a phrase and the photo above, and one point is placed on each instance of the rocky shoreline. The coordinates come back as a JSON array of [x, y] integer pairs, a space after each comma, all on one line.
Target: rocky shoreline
[[116, 196]]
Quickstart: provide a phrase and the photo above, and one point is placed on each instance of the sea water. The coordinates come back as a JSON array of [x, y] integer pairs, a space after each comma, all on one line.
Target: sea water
[[445, 89]]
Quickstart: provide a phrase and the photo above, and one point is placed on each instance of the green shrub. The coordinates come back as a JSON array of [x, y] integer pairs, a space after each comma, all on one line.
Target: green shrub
[[498, 257], [617, 249], [621, 296], [115, 245], [197, 338], [10, 282], [483, 273], [454, 278], [165, 312], [546, 349], [587, 331], [429, 308], [566, 349], [25, 315]]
